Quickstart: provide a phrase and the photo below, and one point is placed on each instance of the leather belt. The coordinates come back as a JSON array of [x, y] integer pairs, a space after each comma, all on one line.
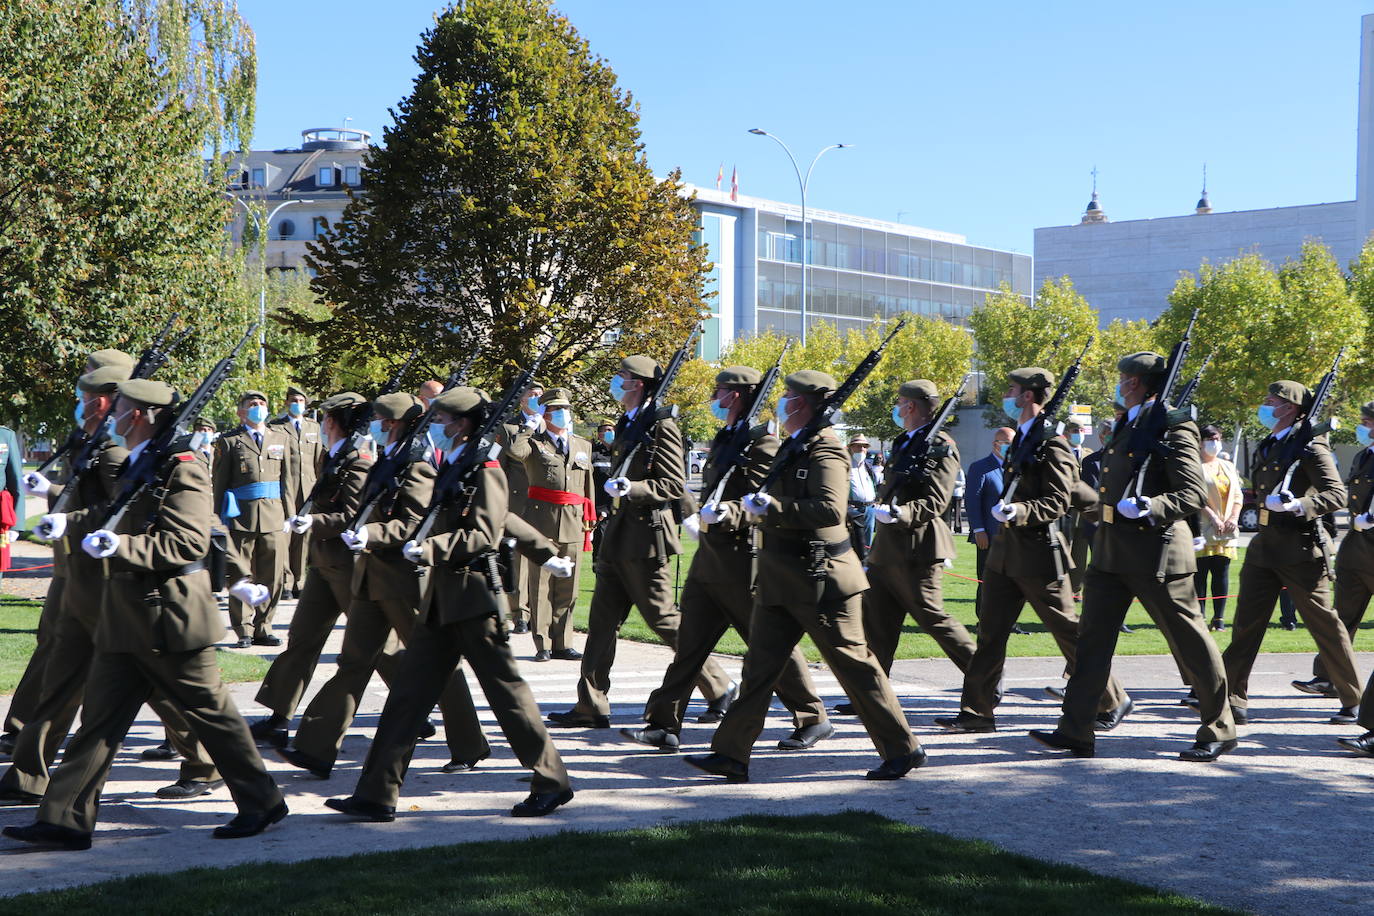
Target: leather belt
[[802, 546], [173, 573]]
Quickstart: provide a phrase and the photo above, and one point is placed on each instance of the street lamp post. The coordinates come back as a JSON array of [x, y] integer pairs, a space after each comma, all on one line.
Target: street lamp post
[[802, 182], [262, 266]]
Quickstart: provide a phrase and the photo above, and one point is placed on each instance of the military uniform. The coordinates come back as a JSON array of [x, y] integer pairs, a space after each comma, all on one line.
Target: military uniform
[[1294, 552], [302, 465], [157, 630], [1355, 558], [514, 469], [251, 480], [906, 565]]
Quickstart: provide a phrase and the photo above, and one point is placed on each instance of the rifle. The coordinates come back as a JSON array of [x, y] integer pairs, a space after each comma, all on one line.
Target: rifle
[[1297, 442], [1041, 426], [143, 473], [1185, 396], [917, 448], [737, 449], [793, 447], [1147, 436], [84, 446], [640, 430]]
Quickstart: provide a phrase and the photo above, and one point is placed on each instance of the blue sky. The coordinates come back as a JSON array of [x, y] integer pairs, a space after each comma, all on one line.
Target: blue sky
[[978, 118]]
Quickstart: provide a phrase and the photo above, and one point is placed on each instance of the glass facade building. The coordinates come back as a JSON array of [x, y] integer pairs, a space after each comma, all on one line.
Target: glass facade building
[[858, 269]]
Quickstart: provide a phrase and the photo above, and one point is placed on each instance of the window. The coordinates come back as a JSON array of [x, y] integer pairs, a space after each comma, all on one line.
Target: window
[[286, 229], [325, 178], [351, 176], [321, 226], [259, 177]]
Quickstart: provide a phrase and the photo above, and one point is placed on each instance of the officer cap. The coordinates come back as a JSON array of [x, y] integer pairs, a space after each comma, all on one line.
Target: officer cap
[[342, 401], [1072, 425], [103, 380], [101, 358], [295, 389], [604, 423], [251, 394], [399, 405], [810, 381], [148, 392], [641, 366], [919, 389], [858, 439], [738, 375], [1144, 363], [1293, 392], [1367, 410], [556, 397], [204, 423], [1032, 377], [461, 400]]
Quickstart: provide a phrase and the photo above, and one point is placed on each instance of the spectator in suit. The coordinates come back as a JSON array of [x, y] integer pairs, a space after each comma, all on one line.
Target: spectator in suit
[[982, 490]]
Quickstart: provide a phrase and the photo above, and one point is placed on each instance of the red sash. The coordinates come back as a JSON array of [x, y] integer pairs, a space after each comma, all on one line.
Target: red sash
[[564, 498]]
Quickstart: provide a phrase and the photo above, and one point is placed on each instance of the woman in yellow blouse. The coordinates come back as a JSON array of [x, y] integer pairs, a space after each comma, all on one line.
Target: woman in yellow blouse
[[1219, 524]]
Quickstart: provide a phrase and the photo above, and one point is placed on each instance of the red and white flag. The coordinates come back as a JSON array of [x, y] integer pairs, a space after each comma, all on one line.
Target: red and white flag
[[734, 183], [720, 175]]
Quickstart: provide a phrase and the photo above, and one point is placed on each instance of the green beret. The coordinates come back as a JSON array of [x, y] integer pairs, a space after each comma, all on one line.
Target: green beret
[[557, 397], [1293, 392], [1367, 410], [251, 394], [148, 392], [461, 400], [1143, 363], [103, 380], [1032, 377], [810, 381], [919, 389], [292, 389], [204, 421], [399, 405], [102, 358], [641, 366], [342, 401], [738, 375]]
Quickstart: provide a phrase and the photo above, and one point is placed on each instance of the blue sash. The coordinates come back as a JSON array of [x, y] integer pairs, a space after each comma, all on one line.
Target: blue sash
[[263, 489]]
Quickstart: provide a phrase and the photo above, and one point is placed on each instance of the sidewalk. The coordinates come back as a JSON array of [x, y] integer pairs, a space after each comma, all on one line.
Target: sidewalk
[[1280, 826]]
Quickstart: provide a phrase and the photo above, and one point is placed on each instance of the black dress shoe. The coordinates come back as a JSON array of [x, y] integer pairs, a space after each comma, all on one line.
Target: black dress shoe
[[267, 639], [1240, 716], [1361, 745], [1318, 686], [1063, 743], [42, 833], [7, 742], [660, 738], [1106, 721], [428, 730], [844, 709], [543, 655], [720, 765], [1206, 751], [1019, 630], [897, 767], [574, 719], [1056, 691], [1191, 700], [243, 642], [520, 627], [1218, 624], [244, 825], [805, 738], [566, 655], [12, 798], [966, 722], [539, 804], [188, 788], [463, 766], [318, 768], [1288, 624], [272, 730], [1346, 715], [1126, 629], [362, 809], [717, 708], [163, 751]]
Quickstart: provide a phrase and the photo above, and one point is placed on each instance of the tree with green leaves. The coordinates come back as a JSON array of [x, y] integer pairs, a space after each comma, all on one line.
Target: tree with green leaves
[[511, 204]]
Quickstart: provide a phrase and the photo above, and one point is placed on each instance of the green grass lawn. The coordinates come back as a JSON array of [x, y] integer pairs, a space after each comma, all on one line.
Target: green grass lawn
[[959, 601], [845, 863], [18, 635]]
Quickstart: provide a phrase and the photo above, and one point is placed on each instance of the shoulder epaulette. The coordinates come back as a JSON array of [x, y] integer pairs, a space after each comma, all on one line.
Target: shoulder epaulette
[[1180, 415]]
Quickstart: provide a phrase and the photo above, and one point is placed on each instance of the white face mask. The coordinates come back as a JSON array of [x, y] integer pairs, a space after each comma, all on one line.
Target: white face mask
[[1211, 446]]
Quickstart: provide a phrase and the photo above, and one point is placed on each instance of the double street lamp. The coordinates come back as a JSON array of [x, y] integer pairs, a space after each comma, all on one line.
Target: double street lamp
[[802, 182], [263, 227]]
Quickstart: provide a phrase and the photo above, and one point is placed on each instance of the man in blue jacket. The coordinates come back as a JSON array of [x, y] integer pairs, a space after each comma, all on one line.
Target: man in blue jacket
[[981, 492]]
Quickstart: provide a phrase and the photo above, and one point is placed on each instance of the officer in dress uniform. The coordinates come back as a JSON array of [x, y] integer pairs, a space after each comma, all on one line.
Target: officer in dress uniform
[[158, 627], [809, 581], [1292, 550], [301, 468], [1144, 550], [602, 462], [514, 468]]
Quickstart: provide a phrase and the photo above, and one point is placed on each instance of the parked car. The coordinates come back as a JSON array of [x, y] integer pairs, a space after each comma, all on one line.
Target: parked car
[[696, 461], [1249, 509]]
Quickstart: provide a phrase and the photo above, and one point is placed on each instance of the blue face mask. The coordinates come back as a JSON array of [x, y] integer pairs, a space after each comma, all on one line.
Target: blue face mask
[[442, 442], [897, 417], [720, 413], [1266, 416], [1117, 396], [1010, 409], [1075, 438], [296, 409], [80, 412], [533, 406], [375, 428], [256, 414], [1364, 435], [560, 417], [608, 436], [783, 412], [617, 387], [115, 437]]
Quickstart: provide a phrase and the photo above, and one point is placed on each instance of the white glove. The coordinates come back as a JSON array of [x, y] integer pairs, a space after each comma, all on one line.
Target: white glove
[[1134, 507], [1274, 502], [692, 525], [561, 567], [755, 503], [413, 552], [13, 535], [51, 527], [300, 524], [100, 544], [887, 514], [1362, 522], [534, 422], [618, 486], [35, 484], [1005, 512], [356, 540], [710, 513], [244, 590], [260, 595], [1199, 543], [1283, 502]]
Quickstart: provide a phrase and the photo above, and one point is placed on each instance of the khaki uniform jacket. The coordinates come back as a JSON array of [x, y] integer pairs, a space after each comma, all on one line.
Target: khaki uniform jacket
[[1032, 545], [455, 550], [335, 507], [514, 468], [1176, 488], [724, 555], [302, 465], [544, 467], [1357, 549], [149, 604], [1284, 539], [239, 462], [382, 573], [920, 536], [808, 502], [85, 511], [658, 479]]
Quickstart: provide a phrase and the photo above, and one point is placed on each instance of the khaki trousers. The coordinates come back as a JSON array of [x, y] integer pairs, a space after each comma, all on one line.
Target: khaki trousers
[[893, 593], [326, 594], [30, 686], [1353, 589], [262, 558], [551, 600]]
